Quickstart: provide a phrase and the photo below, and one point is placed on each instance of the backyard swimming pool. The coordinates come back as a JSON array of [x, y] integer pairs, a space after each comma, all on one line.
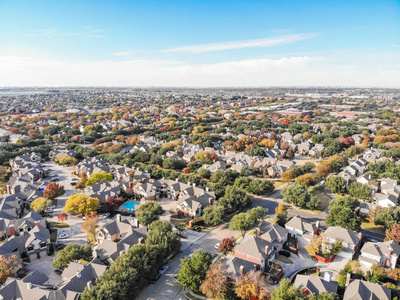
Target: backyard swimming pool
[[129, 205]]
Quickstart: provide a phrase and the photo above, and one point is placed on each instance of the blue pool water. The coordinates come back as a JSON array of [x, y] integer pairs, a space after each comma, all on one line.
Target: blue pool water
[[130, 205]]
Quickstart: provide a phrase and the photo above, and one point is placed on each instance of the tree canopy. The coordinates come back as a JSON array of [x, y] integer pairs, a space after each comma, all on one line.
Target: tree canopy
[[148, 212], [342, 212], [81, 204], [72, 252], [99, 176]]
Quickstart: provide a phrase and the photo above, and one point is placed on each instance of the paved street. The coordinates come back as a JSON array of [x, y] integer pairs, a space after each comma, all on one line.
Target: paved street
[[167, 287]]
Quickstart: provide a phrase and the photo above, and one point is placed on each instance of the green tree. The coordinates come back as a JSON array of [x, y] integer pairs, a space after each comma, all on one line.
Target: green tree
[[296, 194], [285, 291], [99, 176], [260, 187], [234, 199], [213, 214], [148, 212], [242, 223], [388, 216], [342, 212], [193, 270], [161, 234], [359, 190], [335, 184], [72, 253]]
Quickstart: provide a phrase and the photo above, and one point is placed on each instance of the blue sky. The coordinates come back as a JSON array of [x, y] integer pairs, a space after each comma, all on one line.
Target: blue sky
[[200, 43]]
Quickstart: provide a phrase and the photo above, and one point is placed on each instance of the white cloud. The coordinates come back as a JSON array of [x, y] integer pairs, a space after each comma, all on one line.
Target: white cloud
[[258, 43], [286, 71], [395, 45], [122, 53]]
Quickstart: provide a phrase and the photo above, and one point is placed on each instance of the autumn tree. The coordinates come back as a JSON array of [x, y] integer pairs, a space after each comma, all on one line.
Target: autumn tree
[[280, 209], [7, 265], [111, 204], [216, 283], [81, 183], [226, 245], [62, 217], [373, 212], [90, 224], [53, 190], [252, 285], [307, 179], [40, 204], [81, 204], [393, 233], [288, 175]]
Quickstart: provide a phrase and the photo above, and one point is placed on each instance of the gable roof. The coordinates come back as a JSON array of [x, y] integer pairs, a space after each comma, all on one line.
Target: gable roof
[[364, 290], [315, 284]]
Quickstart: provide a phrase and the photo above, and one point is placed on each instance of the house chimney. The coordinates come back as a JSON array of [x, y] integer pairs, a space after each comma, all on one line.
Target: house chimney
[[12, 229], [78, 274], [190, 224], [389, 254], [29, 285], [118, 217], [189, 183], [140, 240], [258, 232], [348, 279], [176, 179], [194, 184], [210, 201], [89, 285], [207, 189], [121, 252], [241, 270], [317, 224], [360, 236]]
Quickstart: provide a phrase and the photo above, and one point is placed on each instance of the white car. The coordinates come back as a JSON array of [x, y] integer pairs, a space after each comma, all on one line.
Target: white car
[[48, 210], [52, 206], [63, 235], [106, 215], [217, 245]]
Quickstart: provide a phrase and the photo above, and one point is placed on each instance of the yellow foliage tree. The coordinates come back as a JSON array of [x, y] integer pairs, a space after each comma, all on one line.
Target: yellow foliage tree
[[280, 209], [81, 204], [40, 204], [288, 175]]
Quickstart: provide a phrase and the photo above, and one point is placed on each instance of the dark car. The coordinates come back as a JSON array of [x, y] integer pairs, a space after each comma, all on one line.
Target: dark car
[[60, 246], [155, 278], [284, 253]]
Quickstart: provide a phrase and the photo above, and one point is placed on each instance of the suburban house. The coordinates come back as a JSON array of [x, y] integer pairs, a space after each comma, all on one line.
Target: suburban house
[[386, 254], [255, 250], [116, 237], [272, 233], [314, 285], [305, 228], [35, 241], [360, 290], [103, 190], [351, 240]]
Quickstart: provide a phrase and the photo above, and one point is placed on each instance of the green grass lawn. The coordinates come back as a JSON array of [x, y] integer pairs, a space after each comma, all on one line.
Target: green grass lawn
[[58, 225], [278, 183], [372, 226]]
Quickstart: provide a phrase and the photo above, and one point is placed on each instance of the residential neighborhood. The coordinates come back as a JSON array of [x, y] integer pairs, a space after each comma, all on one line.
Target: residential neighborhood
[[200, 193]]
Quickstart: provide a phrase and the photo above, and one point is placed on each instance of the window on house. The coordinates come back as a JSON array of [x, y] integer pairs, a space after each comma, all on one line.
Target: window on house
[[43, 245], [30, 248]]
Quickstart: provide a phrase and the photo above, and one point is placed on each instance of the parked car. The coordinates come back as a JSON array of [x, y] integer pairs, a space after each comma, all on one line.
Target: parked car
[[106, 215], [284, 253], [48, 210], [163, 269], [217, 245], [52, 206], [152, 281], [374, 240], [54, 179], [60, 246], [63, 235]]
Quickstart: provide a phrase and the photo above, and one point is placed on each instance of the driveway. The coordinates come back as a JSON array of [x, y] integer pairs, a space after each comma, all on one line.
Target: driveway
[[74, 229]]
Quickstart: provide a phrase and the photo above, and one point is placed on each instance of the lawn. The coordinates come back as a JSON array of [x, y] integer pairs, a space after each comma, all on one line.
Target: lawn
[[278, 183], [284, 259], [372, 226], [322, 196], [58, 225]]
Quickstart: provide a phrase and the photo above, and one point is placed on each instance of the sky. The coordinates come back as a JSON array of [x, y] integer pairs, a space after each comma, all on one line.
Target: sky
[[200, 43]]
